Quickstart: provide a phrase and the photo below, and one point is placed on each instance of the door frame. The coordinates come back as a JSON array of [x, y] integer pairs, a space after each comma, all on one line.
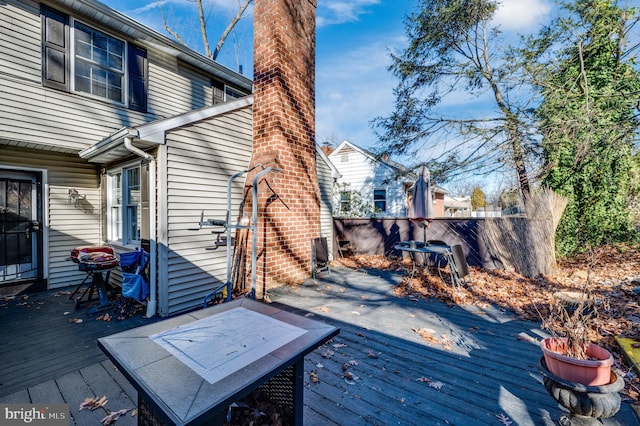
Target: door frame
[[42, 191]]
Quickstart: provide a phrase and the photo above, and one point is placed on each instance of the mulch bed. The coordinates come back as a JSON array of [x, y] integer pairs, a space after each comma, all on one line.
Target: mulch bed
[[609, 273]]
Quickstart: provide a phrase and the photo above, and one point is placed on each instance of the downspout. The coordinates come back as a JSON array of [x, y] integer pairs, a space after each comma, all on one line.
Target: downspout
[[152, 304]]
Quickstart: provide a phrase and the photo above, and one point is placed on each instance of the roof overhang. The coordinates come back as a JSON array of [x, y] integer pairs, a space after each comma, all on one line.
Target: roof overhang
[[112, 148], [145, 136]]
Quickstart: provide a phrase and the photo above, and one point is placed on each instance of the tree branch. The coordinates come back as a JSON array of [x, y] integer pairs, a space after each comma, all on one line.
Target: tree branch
[[232, 24], [203, 30], [170, 31]]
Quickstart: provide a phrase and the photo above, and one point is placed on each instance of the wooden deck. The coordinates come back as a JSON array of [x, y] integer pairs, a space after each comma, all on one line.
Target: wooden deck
[[477, 367]]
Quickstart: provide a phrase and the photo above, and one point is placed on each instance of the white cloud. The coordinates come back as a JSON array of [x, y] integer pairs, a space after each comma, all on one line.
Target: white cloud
[[149, 6], [521, 15], [339, 12]]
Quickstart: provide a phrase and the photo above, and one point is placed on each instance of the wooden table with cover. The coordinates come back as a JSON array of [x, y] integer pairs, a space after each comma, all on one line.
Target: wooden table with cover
[[189, 369]]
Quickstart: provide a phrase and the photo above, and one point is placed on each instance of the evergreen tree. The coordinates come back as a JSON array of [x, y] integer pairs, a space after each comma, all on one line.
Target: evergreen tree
[[588, 123], [477, 199]]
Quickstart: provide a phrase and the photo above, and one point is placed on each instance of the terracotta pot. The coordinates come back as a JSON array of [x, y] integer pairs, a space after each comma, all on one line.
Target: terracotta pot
[[590, 372]]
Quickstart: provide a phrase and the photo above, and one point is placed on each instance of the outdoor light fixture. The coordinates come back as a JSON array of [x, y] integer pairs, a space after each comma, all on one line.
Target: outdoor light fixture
[[74, 196]]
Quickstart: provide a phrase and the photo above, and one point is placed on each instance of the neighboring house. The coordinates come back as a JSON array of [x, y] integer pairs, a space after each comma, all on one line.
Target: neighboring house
[[383, 185], [111, 133], [457, 206]]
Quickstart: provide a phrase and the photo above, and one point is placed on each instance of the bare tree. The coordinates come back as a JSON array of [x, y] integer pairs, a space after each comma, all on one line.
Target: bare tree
[[242, 7]]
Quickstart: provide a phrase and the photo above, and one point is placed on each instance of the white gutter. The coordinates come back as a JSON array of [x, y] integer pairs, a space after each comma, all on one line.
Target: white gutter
[[152, 304]]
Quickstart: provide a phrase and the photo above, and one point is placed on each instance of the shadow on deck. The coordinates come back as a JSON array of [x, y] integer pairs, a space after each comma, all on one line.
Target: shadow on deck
[[415, 362]]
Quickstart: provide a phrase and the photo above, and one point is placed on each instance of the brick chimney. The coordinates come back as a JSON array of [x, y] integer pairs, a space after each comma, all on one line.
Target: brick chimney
[[284, 137]]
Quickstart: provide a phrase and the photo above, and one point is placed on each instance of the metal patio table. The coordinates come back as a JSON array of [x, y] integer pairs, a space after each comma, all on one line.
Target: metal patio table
[[438, 249]]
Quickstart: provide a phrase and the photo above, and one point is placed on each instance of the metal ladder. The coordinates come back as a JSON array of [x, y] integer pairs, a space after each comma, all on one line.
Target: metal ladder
[[228, 226]]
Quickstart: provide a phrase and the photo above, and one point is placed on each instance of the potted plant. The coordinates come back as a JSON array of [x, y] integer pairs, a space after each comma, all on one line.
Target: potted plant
[[569, 353]]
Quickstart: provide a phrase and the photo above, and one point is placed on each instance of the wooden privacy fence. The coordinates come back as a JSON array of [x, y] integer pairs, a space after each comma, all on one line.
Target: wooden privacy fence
[[494, 243]]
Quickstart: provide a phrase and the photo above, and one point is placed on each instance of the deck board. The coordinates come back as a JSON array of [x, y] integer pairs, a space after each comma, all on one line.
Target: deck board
[[74, 390], [102, 383], [486, 368]]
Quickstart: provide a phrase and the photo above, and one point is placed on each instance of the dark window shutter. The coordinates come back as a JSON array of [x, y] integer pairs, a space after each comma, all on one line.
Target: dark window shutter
[[55, 49], [218, 92], [138, 78]]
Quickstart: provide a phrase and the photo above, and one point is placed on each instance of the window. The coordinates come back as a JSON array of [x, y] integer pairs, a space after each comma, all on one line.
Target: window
[[231, 93], [380, 200], [79, 58], [99, 63], [124, 205], [223, 93], [345, 201]]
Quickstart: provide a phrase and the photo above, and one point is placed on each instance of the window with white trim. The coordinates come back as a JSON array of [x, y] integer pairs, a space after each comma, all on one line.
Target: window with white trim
[[345, 201], [380, 200], [231, 93], [98, 63], [124, 205], [79, 58]]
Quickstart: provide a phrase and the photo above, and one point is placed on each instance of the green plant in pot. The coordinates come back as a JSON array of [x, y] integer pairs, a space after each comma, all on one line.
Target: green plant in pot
[[569, 353]]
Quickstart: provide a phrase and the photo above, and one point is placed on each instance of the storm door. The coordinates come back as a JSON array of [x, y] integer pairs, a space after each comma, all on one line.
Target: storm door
[[20, 241]]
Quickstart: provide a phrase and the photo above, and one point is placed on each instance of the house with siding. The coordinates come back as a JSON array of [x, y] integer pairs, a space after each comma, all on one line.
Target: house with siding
[[111, 133], [382, 184]]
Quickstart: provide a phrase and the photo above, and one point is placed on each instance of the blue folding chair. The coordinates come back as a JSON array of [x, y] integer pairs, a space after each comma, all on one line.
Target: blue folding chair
[[135, 281]]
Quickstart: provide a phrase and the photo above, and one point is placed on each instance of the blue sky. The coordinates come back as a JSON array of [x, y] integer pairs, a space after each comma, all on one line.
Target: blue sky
[[354, 38]]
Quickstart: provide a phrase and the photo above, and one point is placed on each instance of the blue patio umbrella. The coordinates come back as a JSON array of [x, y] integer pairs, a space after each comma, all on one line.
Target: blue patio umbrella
[[421, 208]]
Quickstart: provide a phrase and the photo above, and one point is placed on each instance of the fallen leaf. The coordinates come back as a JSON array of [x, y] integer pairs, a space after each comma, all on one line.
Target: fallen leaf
[[322, 309], [527, 338], [436, 385], [372, 354], [134, 413], [66, 313], [328, 353], [349, 378], [339, 345], [313, 376], [353, 362], [75, 320], [113, 416], [423, 380], [320, 365], [504, 419], [93, 403], [105, 317], [426, 334]]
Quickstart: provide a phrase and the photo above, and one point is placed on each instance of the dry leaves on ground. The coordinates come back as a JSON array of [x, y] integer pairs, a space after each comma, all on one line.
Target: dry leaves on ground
[[610, 273], [112, 417], [93, 403]]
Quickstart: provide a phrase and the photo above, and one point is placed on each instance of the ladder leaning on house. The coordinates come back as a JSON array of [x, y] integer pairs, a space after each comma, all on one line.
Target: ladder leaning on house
[[236, 262]]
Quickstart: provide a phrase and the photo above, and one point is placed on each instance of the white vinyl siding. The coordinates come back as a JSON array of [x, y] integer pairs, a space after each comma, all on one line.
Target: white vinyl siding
[[199, 160], [325, 181], [41, 117], [365, 174], [67, 226]]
